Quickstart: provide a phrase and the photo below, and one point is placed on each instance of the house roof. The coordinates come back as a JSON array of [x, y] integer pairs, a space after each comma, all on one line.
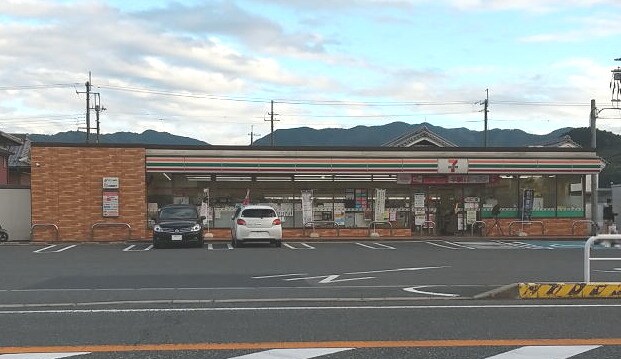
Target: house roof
[[562, 142], [9, 140], [20, 154], [421, 137]]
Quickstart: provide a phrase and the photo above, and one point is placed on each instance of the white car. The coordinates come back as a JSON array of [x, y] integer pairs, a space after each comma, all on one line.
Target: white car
[[256, 223]]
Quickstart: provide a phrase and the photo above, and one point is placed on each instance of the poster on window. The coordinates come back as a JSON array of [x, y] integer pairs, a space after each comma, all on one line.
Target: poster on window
[[527, 204], [307, 206], [379, 204]]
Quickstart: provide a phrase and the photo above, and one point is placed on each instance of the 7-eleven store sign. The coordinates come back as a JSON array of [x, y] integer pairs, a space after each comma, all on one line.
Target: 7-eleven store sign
[[453, 165]]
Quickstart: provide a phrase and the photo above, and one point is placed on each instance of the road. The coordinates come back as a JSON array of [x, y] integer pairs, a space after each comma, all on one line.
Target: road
[[336, 299]]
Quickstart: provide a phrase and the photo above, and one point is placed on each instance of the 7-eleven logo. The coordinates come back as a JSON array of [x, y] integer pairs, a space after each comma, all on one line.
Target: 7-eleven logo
[[452, 165]]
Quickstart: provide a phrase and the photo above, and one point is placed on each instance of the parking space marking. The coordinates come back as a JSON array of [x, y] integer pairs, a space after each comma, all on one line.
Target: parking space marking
[[374, 244], [45, 249], [439, 245], [131, 248], [417, 291], [211, 248], [459, 245], [304, 245]]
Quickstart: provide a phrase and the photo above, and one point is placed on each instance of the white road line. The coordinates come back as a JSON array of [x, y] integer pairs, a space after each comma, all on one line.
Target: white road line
[[278, 275], [364, 245], [209, 246], [331, 278], [41, 355], [439, 245], [305, 353], [129, 248], [383, 245], [42, 249], [415, 290], [396, 270], [458, 245], [229, 246], [307, 246], [288, 246], [64, 249], [533, 246], [529, 307], [545, 352]]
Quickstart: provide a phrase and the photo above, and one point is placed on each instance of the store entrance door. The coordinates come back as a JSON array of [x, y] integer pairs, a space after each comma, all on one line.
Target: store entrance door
[[443, 200]]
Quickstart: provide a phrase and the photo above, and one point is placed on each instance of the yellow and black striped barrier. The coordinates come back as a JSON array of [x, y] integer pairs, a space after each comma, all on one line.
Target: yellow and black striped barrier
[[569, 290]]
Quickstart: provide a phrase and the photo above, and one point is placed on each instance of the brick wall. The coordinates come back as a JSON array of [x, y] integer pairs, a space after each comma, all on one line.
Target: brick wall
[[553, 227], [66, 185]]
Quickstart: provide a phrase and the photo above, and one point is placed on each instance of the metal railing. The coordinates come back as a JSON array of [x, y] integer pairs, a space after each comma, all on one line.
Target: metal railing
[[374, 223], [313, 225], [428, 225], [35, 225], [543, 226], [581, 221], [481, 224], [587, 252], [101, 224]]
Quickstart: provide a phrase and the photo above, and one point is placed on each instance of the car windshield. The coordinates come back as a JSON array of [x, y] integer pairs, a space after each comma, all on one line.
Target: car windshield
[[178, 213], [259, 213]]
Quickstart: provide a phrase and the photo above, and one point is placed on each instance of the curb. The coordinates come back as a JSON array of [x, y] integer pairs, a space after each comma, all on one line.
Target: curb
[[509, 291], [573, 290]]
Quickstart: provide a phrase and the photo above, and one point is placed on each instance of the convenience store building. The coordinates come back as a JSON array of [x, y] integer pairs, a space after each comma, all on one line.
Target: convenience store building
[[109, 192]]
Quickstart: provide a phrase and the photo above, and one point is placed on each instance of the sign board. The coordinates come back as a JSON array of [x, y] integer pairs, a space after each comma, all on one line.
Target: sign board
[[110, 183], [307, 206], [528, 196], [110, 206], [453, 165], [380, 204]]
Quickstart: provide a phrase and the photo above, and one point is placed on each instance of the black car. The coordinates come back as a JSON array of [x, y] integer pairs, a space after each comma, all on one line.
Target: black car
[[178, 223]]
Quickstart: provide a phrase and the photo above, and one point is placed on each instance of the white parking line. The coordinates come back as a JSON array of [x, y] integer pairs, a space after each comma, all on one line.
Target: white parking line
[[41, 355], [545, 352], [379, 246], [130, 248], [305, 353], [458, 245], [288, 246], [42, 249], [211, 248], [364, 245], [45, 250], [383, 245], [439, 245], [307, 246]]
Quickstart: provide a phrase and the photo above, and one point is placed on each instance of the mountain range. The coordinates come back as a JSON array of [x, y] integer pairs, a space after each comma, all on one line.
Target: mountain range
[[608, 143]]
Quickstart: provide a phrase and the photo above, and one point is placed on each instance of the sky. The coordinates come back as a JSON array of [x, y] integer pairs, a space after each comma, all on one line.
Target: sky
[[210, 69]]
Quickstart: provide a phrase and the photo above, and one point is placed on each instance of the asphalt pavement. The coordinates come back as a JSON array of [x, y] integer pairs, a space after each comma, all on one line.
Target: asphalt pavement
[[373, 298]]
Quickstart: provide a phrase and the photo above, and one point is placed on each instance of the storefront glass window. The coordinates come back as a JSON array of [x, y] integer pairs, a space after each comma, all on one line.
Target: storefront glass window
[[502, 190], [570, 198], [544, 201]]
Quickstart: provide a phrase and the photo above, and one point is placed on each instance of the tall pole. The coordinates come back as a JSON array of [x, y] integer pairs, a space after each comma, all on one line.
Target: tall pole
[[88, 108], [485, 113], [272, 125], [594, 177]]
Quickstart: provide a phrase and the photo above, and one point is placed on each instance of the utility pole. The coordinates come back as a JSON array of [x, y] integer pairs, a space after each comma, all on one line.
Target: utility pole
[[485, 111], [252, 134], [272, 114], [485, 104], [594, 176], [88, 108], [97, 108]]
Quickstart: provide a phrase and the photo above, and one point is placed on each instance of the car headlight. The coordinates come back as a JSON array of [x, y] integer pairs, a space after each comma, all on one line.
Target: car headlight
[[196, 228], [157, 228]]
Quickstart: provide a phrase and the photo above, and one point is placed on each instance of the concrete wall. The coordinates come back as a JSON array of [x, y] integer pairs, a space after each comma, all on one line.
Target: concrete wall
[[15, 212], [67, 191]]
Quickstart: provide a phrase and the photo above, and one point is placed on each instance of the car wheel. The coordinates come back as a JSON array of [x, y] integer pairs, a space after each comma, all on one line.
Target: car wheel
[[278, 243], [237, 243], [157, 244], [4, 237], [200, 243]]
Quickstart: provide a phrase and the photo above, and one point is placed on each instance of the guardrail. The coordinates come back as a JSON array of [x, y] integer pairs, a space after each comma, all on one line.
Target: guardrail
[[543, 226], [587, 252], [481, 224], [581, 221], [374, 223], [101, 224], [313, 224], [35, 225]]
